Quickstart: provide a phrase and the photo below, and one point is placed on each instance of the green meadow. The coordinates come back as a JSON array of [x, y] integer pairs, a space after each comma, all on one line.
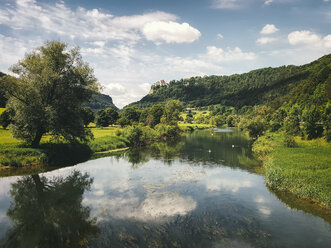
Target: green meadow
[[304, 170], [15, 153]]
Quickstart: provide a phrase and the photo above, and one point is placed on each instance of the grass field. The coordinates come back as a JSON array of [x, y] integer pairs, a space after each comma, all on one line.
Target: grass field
[[195, 113], [1, 110], [304, 170], [14, 153]]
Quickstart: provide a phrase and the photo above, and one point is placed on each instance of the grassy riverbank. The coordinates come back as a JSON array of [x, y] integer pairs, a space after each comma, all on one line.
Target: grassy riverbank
[[15, 154], [304, 170]]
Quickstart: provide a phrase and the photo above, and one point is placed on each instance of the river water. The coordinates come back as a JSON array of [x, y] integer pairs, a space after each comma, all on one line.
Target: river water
[[204, 190]]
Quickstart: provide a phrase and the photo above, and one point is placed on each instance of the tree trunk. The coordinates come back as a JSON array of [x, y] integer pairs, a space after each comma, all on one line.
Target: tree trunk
[[37, 138]]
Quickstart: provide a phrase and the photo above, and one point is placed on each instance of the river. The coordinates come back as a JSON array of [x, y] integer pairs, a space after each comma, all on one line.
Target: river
[[205, 190]]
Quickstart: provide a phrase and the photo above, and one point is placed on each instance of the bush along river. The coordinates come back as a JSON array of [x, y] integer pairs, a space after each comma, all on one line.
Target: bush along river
[[205, 190]]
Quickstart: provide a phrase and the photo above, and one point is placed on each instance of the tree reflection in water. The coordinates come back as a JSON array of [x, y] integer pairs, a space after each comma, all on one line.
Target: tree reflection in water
[[49, 212]]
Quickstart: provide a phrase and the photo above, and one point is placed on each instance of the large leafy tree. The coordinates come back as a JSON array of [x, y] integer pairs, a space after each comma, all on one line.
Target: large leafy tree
[[171, 112], [87, 115], [47, 94], [129, 116], [106, 117]]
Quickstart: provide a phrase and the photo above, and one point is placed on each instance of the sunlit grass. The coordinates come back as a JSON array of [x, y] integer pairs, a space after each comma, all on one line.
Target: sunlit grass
[[193, 125], [105, 131], [16, 153], [304, 170], [1, 110], [195, 113]]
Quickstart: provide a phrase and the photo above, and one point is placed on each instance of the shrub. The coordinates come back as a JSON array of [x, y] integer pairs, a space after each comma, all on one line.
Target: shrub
[[289, 141], [262, 147]]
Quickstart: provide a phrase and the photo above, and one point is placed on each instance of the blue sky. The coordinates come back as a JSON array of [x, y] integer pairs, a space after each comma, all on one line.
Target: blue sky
[[133, 43]]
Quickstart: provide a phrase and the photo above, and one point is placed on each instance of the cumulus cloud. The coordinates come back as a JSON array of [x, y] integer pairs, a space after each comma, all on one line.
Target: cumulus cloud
[[268, 2], [265, 40], [310, 40], [269, 29], [81, 23], [303, 37], [231, 54], [114, 89], [170, 32]]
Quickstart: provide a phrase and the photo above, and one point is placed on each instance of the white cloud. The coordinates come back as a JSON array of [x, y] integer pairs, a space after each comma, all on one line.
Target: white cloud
[[235, 54], [226, 4], [114, 89], [166, 204], [265, 40], [99, 43], [219, 184], [269, 29], [327, 41], [303, 37], [220, 36], [12, 49], [268, 2], [170, 32], [78, 24]]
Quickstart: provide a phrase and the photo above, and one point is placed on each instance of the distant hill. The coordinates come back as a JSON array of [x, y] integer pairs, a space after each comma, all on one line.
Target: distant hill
[[100, 101], [272, 86]]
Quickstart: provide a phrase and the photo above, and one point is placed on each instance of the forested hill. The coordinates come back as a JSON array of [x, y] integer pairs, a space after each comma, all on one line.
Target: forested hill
[[97, 101], [100, 101], [272, 86]]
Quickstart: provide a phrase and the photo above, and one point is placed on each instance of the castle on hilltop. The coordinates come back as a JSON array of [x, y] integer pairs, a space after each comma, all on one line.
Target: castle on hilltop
[[156, 85]]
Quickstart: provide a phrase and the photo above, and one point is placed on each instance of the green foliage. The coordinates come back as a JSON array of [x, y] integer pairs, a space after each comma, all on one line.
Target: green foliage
[[100, 101], [292, 125], [263, 146], [167, 131], [274, 86], [6, 118], [51, 154], [256, 127], [129, 116], [171, 112], [289, 141], [230, 121], [311, 115], [326, 118], [140, 135], [46, 97], [106, 117], [189, 119], [106, 143], [217, 120], [87, 115], [154, 115]]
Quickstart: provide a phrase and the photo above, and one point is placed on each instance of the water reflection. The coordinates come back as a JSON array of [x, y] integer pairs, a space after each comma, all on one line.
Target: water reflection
[[207, 147], [197, 192], [48, 212]]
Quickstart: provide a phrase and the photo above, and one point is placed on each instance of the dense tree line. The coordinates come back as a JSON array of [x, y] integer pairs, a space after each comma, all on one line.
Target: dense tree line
[[272, 86]]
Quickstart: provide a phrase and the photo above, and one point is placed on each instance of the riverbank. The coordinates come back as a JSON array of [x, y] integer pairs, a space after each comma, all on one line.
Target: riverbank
[[303, 170], [17, 158]]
